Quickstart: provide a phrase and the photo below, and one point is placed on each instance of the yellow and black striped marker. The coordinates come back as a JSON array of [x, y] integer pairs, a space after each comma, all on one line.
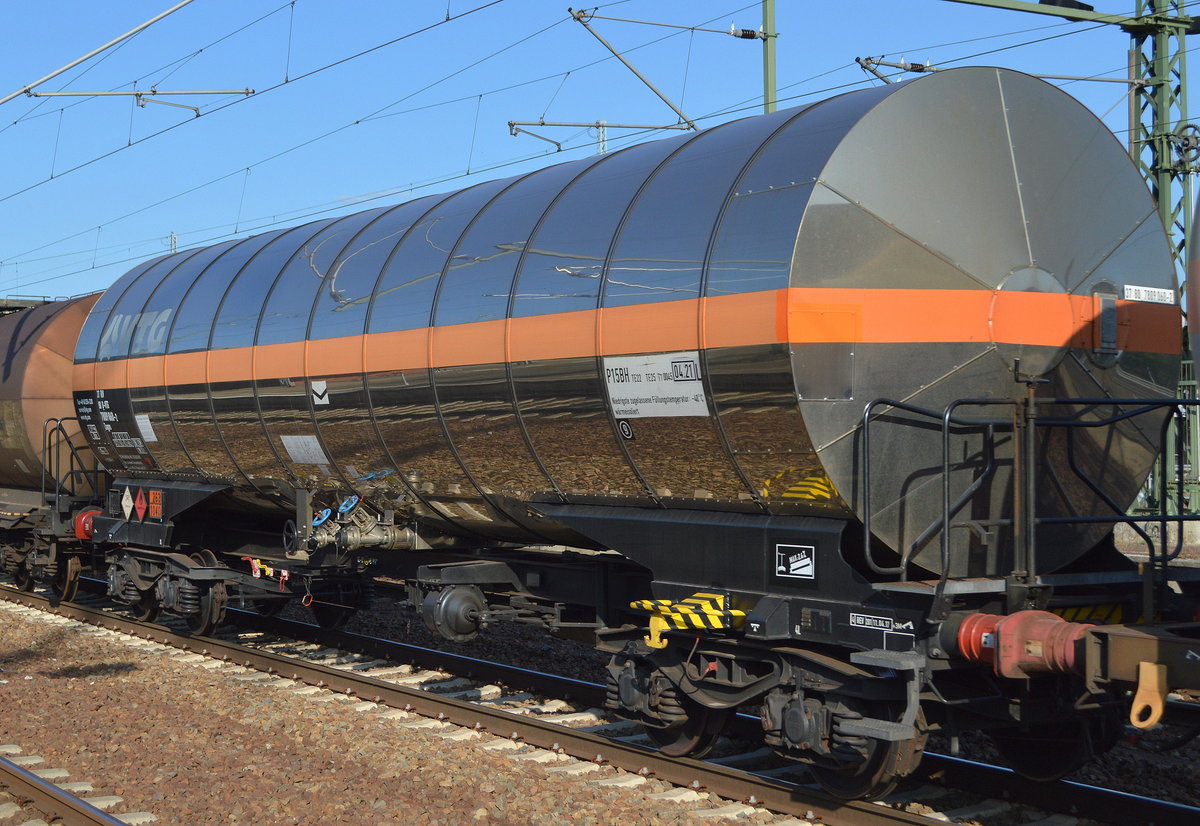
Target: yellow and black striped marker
[[816, 487], [1105, 613], [706, 612]]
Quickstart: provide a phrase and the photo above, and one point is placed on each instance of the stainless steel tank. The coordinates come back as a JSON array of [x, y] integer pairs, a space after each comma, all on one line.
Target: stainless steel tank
[[692, 323]]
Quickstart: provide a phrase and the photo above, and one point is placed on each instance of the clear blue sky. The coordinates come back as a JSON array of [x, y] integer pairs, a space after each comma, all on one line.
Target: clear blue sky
[[79, 205]]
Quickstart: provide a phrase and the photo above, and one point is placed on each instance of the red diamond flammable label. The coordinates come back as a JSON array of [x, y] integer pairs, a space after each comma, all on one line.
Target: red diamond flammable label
[[140, 504]]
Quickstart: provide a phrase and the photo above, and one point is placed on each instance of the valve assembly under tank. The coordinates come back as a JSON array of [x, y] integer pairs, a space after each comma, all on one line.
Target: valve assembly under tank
[[352, 527]]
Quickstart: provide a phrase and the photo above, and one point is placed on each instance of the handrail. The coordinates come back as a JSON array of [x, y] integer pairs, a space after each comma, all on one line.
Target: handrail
[[987, 473], [1025, 425], [55, 439], [901, 570], [944, 547]]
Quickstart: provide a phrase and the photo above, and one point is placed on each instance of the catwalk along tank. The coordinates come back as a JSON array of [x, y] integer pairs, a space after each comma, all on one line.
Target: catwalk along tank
[[693, 323]]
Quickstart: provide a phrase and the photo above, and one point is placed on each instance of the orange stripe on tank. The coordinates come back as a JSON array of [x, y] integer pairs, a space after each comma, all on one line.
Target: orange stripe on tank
[[279, 361], [558, 336], [818, 316], [478, 342], [796, 316], [225, 365], [146, 371], [650, 328], [400, 350], [112, 374], [187, 368], [83, 377], [335, 356]]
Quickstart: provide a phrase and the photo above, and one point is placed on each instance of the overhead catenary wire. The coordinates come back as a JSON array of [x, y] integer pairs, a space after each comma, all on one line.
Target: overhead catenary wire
[[555, 95], [222, 107], [57, 138], [43, 101], [752, 104], [174, 66], [382, 113], [269, 89], [260, 93], [687, 66], [29, 87], [320, 211], [287, 66], [745, 104], [474, 132], [292, 217]]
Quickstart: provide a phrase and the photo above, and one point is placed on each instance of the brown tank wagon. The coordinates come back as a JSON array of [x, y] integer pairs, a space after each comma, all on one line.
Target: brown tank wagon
[[35, 385], [825, 414]]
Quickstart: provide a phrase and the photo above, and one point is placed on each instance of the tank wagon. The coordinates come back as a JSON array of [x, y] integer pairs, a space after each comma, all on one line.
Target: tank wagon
[[826, 414]]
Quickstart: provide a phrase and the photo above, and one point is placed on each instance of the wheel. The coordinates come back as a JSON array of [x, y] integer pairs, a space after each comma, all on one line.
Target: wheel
[[213, 599], [698, 734], [23, 577], [869, 769], [868, 779], [145, 609], [1054, 749], [66, 580], [331, 615]]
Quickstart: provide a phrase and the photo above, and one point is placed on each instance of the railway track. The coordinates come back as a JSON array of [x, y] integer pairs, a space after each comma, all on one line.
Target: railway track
[[1000, 786], [28, 789], [431, 688]]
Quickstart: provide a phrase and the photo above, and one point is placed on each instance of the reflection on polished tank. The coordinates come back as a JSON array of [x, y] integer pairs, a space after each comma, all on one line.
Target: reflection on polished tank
[[695, 323]]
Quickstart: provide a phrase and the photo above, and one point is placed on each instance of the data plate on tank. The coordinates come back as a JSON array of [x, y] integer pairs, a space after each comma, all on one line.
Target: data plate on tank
[[106, 416], [304, 450], [662, 384], [145, 427], [1157, 295]]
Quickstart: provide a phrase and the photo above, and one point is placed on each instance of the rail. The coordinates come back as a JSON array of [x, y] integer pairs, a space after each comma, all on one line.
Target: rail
[[773, 793], [67, 809]]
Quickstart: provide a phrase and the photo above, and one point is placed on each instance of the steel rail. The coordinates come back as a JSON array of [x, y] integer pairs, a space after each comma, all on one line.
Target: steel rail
[[779, 796], [1081, 800], [67, 808], [1181, 713], [429, 658]]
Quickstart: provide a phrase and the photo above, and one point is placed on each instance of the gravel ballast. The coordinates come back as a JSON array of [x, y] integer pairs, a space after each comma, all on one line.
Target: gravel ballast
[[183, 737], [1136, 765], [192, 744]]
